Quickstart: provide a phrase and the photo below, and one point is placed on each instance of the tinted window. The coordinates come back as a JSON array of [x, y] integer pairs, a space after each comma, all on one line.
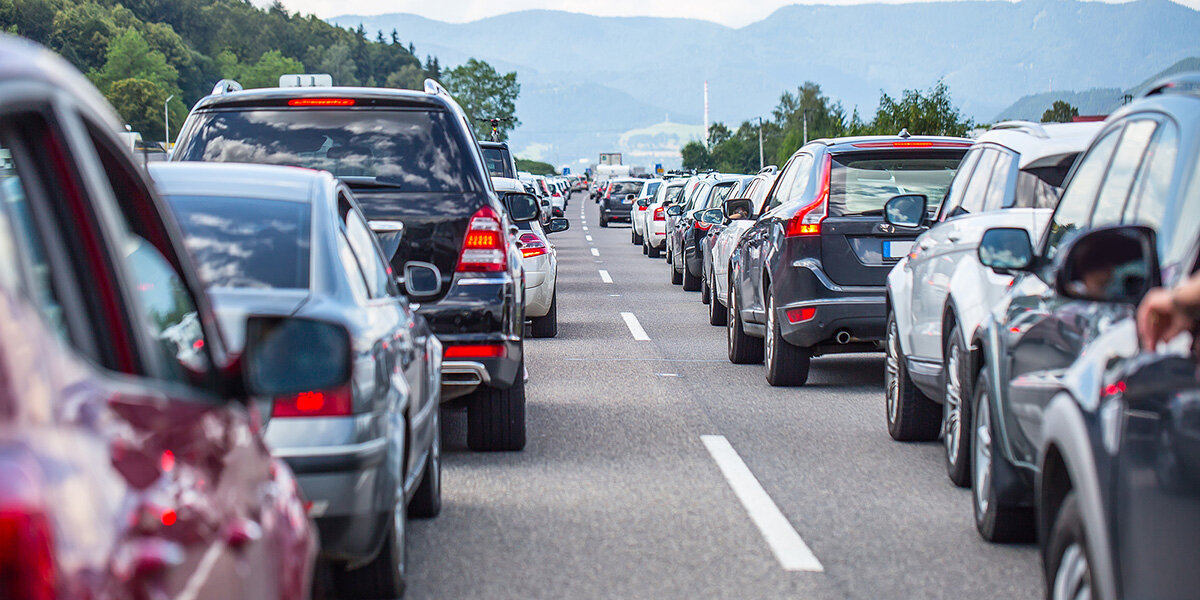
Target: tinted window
[[354, 274], [363, 243], [1110, 207], [621, 188], [1149, 202], [1034, 190], [779, 195], [799, 184], [862, 182], [497, 163], [1076, 205], [977, 187], [241, 243], [1002, 172], [651, 188], [414, 150], [719, 194], [961, 179], [27, 237], [672, 194]]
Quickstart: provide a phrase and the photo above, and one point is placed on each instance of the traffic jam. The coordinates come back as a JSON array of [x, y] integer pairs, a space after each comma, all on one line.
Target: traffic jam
[[335, 347]]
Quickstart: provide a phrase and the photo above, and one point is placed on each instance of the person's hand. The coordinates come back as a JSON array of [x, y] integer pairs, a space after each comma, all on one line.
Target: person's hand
[[1159, 319]]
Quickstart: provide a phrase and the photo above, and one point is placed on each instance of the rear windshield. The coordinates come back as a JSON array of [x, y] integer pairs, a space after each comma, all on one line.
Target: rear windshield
[[860, 182], [620, 188], [412, 150], [497, 163], [239, 243]]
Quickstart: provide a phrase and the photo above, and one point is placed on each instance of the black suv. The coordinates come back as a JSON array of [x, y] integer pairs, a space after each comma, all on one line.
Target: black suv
[[409, 156], [498, 159], [617, 203], [810, 274]]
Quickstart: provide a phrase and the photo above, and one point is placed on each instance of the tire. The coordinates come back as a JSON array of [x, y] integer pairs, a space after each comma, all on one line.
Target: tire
[[496, 418], [743, 349], [645, 248], [911, 416], [676, 276], [704, 290], [1068, 567], [786, 365], [691, 283], [716, 311], [636, 239], [956, 410], [426, 503], [547, 326], [603, 222], [383, 577], [996, 522], [653, 252]]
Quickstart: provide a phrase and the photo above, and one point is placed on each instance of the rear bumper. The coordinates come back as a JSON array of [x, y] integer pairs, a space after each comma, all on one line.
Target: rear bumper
[[616, 213], [479, 311], [860, 311]]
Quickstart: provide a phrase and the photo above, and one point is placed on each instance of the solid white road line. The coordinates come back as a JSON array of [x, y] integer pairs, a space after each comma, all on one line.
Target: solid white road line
[[635, 328], [605, 277], [595, 252], [791, 551]]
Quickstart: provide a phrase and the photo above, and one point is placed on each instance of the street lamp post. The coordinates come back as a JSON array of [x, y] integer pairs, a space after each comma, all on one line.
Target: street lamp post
[[167, 124], [760, 147]]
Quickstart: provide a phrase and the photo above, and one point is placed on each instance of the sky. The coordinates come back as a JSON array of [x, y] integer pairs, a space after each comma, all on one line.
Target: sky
[[733, 13]]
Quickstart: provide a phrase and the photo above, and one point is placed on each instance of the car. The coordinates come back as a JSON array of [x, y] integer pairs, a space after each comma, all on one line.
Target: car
[[692, 186], [499, 159], [617, 202], [639, 215], [281, 241], [685, 231], [720, 246], [131, 458], [938, 294], [654, 240], [1029, 351], [807, 278], [409, 156], [541, 266]]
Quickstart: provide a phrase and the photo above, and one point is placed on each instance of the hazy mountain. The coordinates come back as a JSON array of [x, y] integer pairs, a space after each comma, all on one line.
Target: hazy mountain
[[990, 54]]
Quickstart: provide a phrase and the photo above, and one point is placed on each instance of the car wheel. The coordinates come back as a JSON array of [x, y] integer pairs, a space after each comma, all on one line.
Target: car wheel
[[496, 418], [743, 349], [637, 239], [787, 365], [911, 416], [603, 222], [653, 252], [676, 276], [426, 503], [547, 326], [645, 247], [1066, 561], [995, 521], [956, 411], [691, 283], [716, 311], [383, 577]]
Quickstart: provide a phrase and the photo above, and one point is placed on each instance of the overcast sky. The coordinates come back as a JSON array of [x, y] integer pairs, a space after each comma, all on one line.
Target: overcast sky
[[734, 13]]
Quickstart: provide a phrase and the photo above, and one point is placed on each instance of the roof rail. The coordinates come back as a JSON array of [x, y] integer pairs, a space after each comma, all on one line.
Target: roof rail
[[226, 86], [433, 87], [1034, 129], [1182, 83], [767, 169]]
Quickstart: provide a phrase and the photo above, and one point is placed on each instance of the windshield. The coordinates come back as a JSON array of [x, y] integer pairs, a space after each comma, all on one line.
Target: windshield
[[497, 162], [861, 183], [620, 188], [246, 243], [414, 150]]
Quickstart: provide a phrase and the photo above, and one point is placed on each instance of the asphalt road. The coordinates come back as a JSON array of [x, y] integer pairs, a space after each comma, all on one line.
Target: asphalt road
[[618, 496]]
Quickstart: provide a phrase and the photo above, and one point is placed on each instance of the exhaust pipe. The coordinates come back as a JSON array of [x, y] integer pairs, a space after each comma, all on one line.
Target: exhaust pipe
[[842, 337]]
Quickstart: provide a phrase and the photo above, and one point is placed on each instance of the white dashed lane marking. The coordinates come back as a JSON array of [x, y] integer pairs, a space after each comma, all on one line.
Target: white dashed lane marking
[[635, 328], [605, 277]]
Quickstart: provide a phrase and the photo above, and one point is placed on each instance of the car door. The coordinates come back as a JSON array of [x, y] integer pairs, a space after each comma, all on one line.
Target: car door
[[753, 246]]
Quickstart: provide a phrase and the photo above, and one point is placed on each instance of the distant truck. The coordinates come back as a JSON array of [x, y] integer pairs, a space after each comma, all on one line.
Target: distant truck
[[606, 172]]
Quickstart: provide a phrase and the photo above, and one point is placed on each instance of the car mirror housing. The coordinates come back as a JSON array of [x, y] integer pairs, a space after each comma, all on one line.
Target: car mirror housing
[[521, 206], [716, 216], [389, 234], [421, 279], [644, 202], [674, 210], [906, 210], [1110, 264], [291, 355], [558, 224], [737, 209], [1006, 249]]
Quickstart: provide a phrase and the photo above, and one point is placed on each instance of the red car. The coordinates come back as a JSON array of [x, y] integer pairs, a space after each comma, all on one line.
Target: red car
[[131, 464]]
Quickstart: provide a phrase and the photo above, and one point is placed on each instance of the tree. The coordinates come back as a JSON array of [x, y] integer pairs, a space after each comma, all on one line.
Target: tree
[[130, 57], [536, 167], [266, 72], [409, 77], [921, 114], [1060, 112], [696, 156], [140, 103], [485, 94], [338, 62]]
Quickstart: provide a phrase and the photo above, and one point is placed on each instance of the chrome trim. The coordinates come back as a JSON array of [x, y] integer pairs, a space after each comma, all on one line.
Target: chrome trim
[[225, 86], [481, 280], [927, 368], [346, 449], [836, 301], [467, 369], [815, 267]]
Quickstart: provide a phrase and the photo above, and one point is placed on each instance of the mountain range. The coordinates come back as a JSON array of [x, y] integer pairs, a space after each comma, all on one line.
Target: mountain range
[[587, 79]]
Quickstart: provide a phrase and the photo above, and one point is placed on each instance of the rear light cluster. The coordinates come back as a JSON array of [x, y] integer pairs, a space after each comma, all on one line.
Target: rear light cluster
[[660, 214], [483, 248], [476, 351], [338, 402], [807, 221], [532, 245], [912, 144]]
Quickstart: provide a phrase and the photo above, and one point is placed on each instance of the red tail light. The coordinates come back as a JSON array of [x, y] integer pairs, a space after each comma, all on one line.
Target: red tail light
[[476, 351], [321, 102], [27, 568], [702, 226], [532, 245], [807, 221], [337, 402], [483, 247], [660, 214], [912, 144], [800, 315]]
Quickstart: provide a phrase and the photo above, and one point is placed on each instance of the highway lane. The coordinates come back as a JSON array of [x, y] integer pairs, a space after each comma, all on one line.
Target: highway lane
[[620, 493]]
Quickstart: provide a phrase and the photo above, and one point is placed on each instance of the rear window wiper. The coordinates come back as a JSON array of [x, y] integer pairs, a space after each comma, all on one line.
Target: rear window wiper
[[373, 182]]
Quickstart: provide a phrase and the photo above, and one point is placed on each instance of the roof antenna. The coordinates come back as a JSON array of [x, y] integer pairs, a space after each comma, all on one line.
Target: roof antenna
[[904, 133]]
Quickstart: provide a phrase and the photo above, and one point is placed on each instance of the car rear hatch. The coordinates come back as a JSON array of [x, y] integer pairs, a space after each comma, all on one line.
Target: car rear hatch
[[857, 246]]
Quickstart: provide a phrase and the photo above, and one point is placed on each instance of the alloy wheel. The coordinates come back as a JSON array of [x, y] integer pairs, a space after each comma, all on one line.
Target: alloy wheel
[[954, 404], [891, 373], [770, 337], [1073, 581], [983, 455]]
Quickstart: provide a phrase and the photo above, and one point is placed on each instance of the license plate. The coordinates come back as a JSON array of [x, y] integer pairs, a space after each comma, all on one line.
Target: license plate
[[896, 249]]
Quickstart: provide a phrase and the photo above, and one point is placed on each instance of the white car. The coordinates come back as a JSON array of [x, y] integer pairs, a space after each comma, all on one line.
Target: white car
[[654, 238], [939, 293], [640, 206], [540, 261], [716, 265]]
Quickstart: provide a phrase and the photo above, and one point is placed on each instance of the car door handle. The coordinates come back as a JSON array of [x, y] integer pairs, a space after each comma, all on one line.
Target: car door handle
[[954, 237]]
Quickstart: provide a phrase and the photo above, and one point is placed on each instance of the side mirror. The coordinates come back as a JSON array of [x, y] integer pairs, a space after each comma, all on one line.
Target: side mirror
[[906, 210], [285, 356], [644, 202], [1006, 249], [737, 208], [421, 279], [556, 225], [521, 207], [715, 216], [389, 234], [1110, 264], [674, 210]]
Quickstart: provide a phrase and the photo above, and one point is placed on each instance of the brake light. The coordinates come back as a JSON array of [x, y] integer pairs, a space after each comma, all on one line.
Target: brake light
[[483, 247], [338, 402], [800, 315], [659, 214], [476, 351], [26, 550], [532, 245], [642, 207], [807, 221], [702, 226], [321, 102], [912, 144]]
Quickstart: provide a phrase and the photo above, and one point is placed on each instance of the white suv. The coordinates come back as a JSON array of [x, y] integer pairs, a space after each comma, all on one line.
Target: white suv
[[939, 293]]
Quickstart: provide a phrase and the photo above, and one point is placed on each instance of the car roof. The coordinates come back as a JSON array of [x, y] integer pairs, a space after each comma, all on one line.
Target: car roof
[[363, 96], [855, 143], [1041, 144], [507, 184], [268, 182]]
